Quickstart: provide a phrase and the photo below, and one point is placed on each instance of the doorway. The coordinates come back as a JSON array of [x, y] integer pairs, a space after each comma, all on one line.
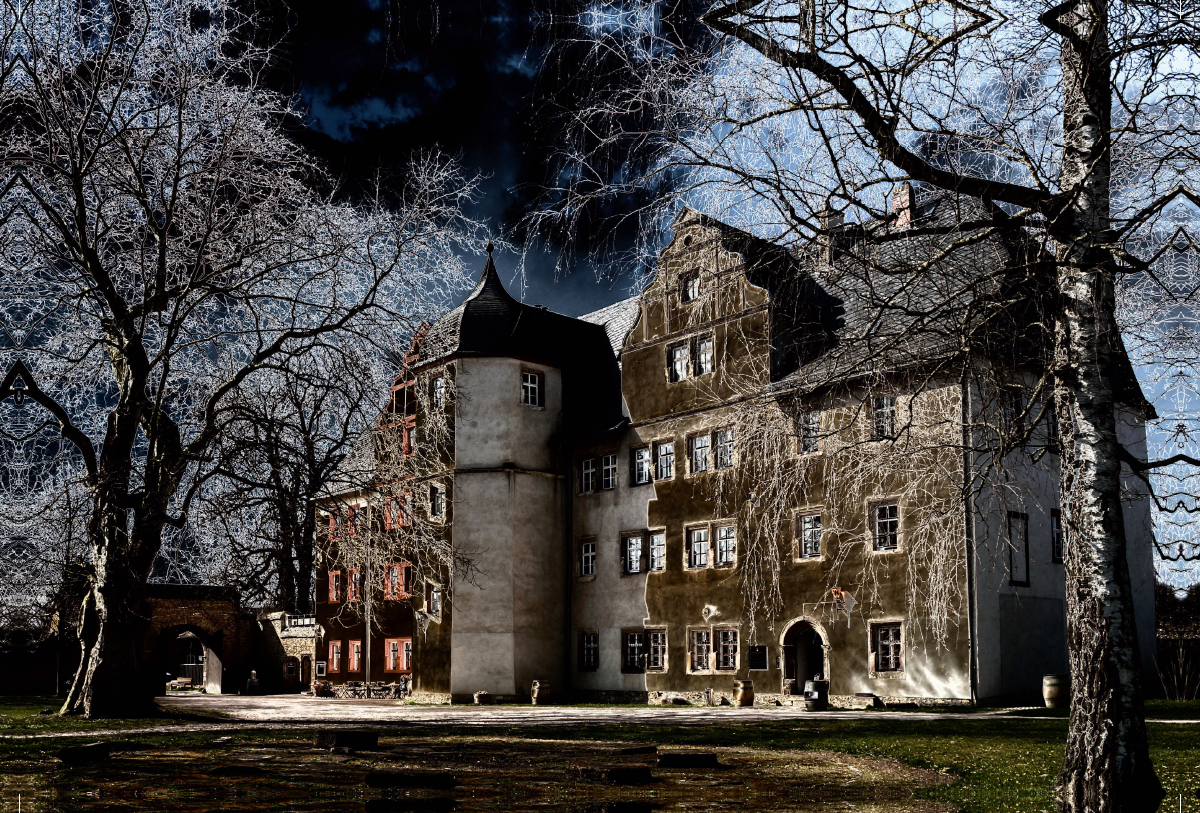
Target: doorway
[[305, 673], [803, 654]]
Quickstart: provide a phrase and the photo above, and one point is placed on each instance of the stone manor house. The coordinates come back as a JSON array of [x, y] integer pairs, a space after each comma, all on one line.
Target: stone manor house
[[739, 474]]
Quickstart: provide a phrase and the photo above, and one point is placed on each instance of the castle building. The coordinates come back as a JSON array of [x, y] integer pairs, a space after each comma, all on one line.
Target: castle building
[[750, 471]]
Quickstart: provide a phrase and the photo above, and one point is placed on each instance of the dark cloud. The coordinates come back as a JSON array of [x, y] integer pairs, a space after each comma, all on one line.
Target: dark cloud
[[382, 79]]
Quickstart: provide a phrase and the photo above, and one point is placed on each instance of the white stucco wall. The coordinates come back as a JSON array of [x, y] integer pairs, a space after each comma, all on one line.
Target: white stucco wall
[[508, 628], [611, 600]]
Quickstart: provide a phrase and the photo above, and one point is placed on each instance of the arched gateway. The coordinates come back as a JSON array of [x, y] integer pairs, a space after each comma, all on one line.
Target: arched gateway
[[803, 648]]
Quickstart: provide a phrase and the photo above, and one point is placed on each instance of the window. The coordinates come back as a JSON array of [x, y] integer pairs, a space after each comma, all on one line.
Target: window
[[397, 512], [587, 558], [589, 651], [397, 581], [320, 668], [1051, 423], [335, 525], [531, 389], [1018, 549], [726, 545], [1012, 411], [391, 654], [702, 355], [698, 547], [634, 649], [664, 457], [810, 432], [883, 417], [335, 586], [810, 535], [433, 600], [698, 453], [608, 472], [409, 430], [700, 650], [587, 476], [437, 501], [640, 468], [632, 553], [727, 650], [886, 643], [1058, 537], [656, 650], [677, 362], [723, 449], [437, 392], [658, 551], [885, 520], [355, 582], [406, 655], [352, 523], [758, 658], [335, 656], [689, 287], [355, 656]]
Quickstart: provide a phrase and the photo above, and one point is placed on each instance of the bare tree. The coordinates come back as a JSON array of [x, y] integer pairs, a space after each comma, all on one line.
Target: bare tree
[[1057, 131], [164, 244]]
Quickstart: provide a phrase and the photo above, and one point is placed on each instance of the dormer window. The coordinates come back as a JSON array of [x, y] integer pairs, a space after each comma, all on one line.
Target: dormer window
[[689, 287]]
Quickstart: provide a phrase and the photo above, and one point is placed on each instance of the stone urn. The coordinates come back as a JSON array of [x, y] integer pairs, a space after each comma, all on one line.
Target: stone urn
[[743, 692], [540, 693], [1056, 691]]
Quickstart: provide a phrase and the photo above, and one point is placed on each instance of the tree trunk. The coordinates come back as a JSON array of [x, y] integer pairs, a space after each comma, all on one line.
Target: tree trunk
[[304, 559], [1107, 765]]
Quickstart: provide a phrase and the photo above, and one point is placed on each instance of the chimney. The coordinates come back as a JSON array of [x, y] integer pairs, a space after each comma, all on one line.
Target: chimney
[[902, 206], [829, 220]]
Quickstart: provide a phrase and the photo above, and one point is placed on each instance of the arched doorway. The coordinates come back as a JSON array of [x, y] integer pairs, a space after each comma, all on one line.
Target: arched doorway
[[186, 651], [803, 654], [305, 673]]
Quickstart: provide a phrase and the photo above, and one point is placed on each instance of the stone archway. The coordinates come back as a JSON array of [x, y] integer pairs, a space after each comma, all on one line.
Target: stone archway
[[185, 650], [804, 652]]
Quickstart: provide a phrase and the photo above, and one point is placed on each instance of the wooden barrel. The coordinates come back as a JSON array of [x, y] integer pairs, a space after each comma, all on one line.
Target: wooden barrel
[[743, 692], [816, 695], [540, 694], [1056, 691]]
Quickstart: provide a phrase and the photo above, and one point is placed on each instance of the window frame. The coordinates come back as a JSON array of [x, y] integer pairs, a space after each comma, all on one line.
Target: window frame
[[635, 469], [718, 560], [689, 546], [720, 664], [334, 578], [437, 501], [661, 446], [587, 558], [689, 287], [802, 547], [628, 647], [678, 367], [883, 408], [608, 471], [354, 584], [581, 663], [810, 432], [694, 444], [873, 518], [724, 452], [651, 548], [335, 657], [694, 636], [537, 388], [633, 566], [355, 661], [751, 660], [656, 643], [875, 628], [1023, 518], [587, 475], [437, 391], [433, 601], [400, 587], [696, 354]]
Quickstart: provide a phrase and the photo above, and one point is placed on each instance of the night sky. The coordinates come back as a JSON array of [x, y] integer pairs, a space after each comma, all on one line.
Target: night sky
[[380, 81]]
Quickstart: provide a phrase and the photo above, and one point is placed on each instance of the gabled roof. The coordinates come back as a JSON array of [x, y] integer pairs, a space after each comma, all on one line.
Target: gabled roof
[[617, 320]]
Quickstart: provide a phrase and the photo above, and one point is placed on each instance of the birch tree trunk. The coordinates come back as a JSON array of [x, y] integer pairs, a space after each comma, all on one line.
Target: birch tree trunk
[[1107, 765]]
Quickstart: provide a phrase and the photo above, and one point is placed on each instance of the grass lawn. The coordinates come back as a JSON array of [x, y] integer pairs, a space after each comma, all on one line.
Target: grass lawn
[[992, 764], [22, 715]]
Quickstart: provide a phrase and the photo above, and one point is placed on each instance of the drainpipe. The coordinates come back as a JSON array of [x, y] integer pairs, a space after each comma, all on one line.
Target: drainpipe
[[569, 573], [969, 530]]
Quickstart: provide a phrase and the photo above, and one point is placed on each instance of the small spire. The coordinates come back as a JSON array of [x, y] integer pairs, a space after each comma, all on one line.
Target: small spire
[[489, 248]]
